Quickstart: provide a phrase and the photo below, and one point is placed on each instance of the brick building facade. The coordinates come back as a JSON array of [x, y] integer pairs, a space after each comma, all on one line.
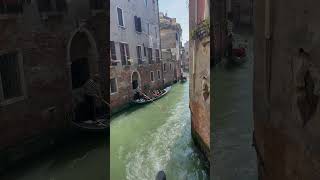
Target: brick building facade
[[135, 50], [42, 44], [170, 32]]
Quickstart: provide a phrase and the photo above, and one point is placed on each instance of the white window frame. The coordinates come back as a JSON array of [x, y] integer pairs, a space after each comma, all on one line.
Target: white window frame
[[112, 93], [4, 102], [152, 79], [124, 24]]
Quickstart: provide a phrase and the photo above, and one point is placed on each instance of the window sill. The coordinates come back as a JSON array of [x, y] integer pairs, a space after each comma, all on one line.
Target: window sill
[[122, 27], [12, 101]]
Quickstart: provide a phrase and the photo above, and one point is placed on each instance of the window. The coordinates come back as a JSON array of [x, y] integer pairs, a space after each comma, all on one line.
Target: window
[[146, 3], [139, 54], [97, 4], [113, 85], [150, 55], [164, 67], [170, 66], [148, 28], [152, 76], [125, 55], [11, 7], [155, 32], [10, 77], [157, 56], [52, 5], [159, 75], [145, 51], [120, 17], [177, 36], [137, 22], [113, 53]]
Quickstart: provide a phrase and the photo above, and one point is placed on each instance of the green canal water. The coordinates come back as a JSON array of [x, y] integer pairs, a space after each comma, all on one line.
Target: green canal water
[[147, 139]]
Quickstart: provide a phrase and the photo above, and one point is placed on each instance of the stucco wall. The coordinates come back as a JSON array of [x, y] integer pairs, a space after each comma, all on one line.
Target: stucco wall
[[199, 71], [286, 81]]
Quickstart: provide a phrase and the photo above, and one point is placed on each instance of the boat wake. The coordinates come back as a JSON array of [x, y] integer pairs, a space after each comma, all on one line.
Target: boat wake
[[154, 150]]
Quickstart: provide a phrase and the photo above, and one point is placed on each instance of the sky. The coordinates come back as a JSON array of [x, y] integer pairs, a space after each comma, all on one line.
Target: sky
[[177, 9]]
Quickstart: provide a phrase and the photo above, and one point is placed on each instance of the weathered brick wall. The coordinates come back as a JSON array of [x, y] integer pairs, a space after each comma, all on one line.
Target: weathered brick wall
[[168, 38], [199, 51], [168, 75], [125, 93], [43, 45], [286, 94]]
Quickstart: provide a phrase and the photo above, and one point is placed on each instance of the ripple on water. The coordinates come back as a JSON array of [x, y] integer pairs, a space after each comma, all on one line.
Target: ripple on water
[[152, 157]]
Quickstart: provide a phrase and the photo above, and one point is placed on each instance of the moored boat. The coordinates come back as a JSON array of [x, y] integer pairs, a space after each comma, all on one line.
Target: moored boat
[[148, 100], [99, 125]]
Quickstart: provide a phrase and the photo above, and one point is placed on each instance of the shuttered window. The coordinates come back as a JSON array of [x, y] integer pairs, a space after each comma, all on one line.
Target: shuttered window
[[113, 51], [137, 22], [150, 55], [139, 54], [113, 85], [145, 51], [157, 55], [125, 54], [120, 17], [152, 76], [10, 77]]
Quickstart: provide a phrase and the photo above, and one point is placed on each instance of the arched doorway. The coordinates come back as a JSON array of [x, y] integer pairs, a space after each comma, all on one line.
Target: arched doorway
[[82, 57], [135, 78]]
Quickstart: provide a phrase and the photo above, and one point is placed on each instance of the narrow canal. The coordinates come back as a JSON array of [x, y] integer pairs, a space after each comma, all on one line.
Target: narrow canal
[[154, 137], [232, 118]]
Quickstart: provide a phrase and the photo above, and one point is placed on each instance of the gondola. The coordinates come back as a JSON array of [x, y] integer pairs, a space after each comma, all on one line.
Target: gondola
[[145, 101], [101, 124]]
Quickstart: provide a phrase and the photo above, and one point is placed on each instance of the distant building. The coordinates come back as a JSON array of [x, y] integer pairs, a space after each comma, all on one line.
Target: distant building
[[47, 51], [135, 50], [185, 60], [199, 53], [170, 32]]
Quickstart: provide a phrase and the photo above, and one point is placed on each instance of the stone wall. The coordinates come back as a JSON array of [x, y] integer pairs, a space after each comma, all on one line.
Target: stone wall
[[286, 89]]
